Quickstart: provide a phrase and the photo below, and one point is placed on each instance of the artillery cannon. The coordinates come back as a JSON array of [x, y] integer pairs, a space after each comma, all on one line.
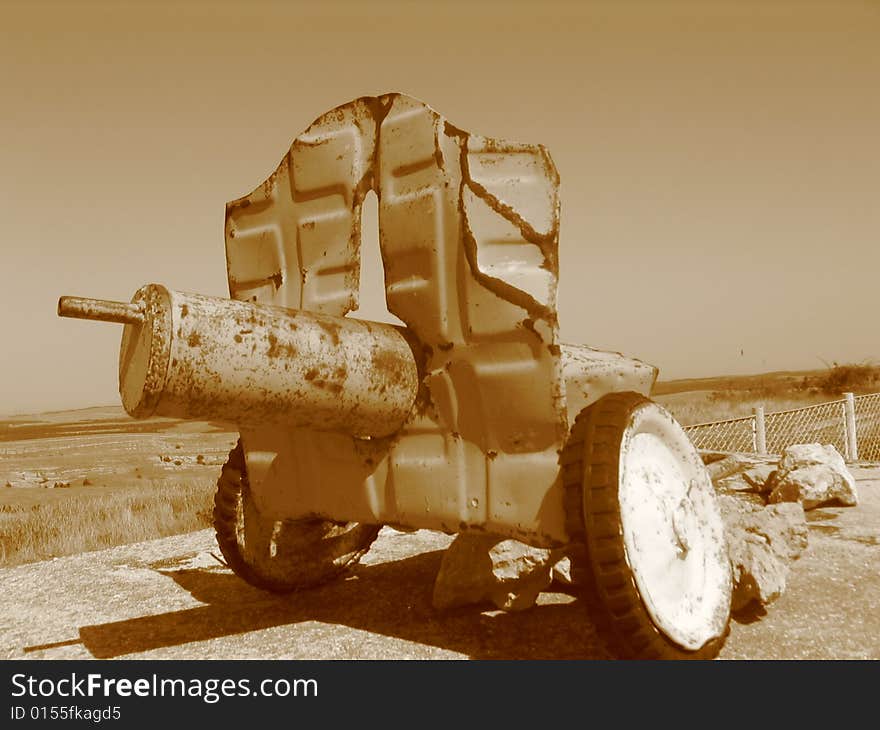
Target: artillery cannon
[[471, 417]]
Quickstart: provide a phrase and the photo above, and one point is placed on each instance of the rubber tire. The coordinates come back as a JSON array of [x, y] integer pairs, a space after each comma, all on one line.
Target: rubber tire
[[281, 556], [590, 469]]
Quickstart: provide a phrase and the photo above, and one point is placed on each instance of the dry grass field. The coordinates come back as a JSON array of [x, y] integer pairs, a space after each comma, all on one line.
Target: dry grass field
[[76, 481], [100, 519]]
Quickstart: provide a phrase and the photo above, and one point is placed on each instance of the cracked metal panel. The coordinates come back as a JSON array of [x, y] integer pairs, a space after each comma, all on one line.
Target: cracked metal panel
[[486, 331], [468, 233], [294, 241]]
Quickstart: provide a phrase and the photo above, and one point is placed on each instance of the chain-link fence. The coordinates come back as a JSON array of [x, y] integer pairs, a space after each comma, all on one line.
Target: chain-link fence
[[824, 423], [852, 425], [734, 434], [867, 418]]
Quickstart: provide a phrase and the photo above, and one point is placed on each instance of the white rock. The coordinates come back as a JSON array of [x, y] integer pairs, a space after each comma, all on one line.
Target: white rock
[[761, 543], [814, 475], [783, 526], [758, 575], [800, 455], [572, 566], [815, 485], [481, 568]]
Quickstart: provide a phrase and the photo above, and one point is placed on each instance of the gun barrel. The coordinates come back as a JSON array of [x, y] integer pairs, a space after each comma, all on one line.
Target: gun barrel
[[207, 358]]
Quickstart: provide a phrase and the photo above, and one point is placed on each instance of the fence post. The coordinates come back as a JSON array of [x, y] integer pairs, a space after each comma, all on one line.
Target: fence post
[[849, 422], [760, 430]]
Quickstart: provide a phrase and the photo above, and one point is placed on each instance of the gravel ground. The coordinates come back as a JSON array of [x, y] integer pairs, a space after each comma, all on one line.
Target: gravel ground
[[172, 599]]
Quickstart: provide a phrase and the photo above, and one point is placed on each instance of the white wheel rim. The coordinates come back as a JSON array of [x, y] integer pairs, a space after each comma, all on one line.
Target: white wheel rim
[[672, 530]]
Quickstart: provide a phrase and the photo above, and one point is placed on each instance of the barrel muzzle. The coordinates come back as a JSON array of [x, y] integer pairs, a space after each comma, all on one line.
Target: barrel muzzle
[[101, 310]]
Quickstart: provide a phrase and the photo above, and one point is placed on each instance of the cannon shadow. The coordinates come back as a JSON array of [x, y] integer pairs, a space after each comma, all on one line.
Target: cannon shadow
[[392, 599]]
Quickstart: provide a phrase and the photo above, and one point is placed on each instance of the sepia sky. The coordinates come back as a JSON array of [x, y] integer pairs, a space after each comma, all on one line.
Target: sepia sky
[[720, 161]]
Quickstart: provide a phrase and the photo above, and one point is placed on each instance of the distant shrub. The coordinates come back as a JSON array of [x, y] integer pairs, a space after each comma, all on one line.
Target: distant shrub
[[854, 378], [716, 399]]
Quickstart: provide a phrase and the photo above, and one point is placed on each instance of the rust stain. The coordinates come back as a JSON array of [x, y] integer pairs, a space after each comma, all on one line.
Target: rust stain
[[273, 350], [385, 363], [331, 328], [544, 241], [276, 279], [279, 348]]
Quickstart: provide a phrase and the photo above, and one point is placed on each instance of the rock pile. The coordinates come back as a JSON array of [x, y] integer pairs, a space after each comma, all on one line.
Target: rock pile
[[763, 505], [188, 460], [811, 474]]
